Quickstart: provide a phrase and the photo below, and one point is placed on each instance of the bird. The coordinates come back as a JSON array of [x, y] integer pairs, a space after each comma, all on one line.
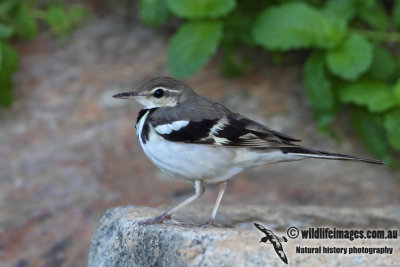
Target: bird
[[274, 240], [197, 140]]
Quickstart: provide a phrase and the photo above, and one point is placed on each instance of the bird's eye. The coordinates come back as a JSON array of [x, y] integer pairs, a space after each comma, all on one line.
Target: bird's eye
[[158, 93]]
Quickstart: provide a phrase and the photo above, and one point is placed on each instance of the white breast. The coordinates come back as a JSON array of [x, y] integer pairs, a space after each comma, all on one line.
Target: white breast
[[188, 161]]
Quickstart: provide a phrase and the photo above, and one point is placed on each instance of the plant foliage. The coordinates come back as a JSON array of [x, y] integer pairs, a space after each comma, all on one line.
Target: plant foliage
[[352, 47], [19, 19], [192, 45]]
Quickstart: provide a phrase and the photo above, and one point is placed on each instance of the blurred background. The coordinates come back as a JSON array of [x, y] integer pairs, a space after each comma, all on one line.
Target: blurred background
[[326, 72]]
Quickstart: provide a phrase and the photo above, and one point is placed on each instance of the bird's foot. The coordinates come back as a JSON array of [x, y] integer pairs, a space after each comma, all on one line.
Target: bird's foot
[[208, 224], [155, 220], [167, 216]]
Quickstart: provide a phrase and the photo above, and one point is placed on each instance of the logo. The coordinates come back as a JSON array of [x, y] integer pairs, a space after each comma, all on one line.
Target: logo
[[274, 240]]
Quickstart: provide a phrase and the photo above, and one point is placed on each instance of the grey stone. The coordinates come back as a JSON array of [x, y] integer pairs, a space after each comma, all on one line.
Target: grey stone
[[119, 241]]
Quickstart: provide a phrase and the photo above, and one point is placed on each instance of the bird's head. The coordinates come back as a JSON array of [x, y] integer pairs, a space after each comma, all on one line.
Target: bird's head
[[160, 92]]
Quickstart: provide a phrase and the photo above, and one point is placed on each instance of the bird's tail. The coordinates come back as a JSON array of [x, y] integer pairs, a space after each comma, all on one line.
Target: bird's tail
[[309, 153]]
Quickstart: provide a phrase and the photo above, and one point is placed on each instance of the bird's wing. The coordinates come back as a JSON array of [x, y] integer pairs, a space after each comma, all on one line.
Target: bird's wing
[[279, 250], [237, 130], [217, 126], [261, 228]]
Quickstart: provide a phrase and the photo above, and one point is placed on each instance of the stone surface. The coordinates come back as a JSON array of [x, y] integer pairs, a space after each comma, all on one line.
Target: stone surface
[[69, 152], [119, 241]]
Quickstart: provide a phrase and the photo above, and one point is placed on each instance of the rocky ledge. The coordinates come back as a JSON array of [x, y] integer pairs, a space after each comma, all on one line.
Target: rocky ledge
[[118, 240]]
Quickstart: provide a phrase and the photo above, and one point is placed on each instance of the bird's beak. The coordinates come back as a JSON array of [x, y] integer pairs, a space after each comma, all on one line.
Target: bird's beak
[[125, 95]]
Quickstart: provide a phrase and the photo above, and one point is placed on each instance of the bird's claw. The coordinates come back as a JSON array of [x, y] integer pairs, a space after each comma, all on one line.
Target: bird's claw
[[156, 220], [208, 224], [166, 216]]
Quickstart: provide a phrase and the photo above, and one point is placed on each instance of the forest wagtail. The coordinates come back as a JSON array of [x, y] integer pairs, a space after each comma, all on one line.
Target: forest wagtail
[[197, 140]]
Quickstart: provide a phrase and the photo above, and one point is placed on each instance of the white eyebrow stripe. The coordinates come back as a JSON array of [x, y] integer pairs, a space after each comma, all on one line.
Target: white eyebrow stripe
[[174, 126], [163, 88]]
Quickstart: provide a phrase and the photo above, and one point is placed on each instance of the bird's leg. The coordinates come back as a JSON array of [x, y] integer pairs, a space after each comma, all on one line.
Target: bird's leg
[[199, 191], [222, 188]]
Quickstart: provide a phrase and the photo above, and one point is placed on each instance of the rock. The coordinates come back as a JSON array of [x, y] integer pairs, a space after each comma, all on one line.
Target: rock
[[119, 241]]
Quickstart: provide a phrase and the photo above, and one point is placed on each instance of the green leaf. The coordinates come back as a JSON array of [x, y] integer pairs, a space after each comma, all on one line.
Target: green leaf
[[5, 31], [8, 6], [376, 96], [396, 13], [396, 90], [363, 3], [192, 46], [351, 59], [24, 23], [201, 8], [297, 25], [61, 19], [8, 65], [237, 28], [375, 16], [344, 9], [233, 64], [153, 12], [315, 3], [76, 14], [319, 92], [324, 119], [57, 18], [251, 7], [318, 87], [383, 64], [392, 126], [369, 127], [6, 92], [9, 60]]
